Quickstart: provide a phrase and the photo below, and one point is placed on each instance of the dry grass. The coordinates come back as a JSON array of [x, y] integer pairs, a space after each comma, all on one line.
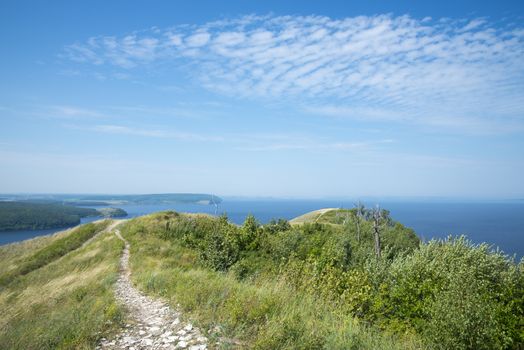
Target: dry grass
[[11, 254], [312, 216], [66, 304]]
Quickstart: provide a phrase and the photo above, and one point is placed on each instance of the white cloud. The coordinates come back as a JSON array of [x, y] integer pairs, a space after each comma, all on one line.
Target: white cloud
[[404, 68], [198, 39]]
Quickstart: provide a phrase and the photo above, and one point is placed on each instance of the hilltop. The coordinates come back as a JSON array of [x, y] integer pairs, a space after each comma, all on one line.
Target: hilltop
[[316, 283], [312, 216]]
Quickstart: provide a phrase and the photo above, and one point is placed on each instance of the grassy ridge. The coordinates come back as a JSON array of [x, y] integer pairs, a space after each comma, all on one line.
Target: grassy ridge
[[67, 303], [53, 251], [262, 313], [322, 285]]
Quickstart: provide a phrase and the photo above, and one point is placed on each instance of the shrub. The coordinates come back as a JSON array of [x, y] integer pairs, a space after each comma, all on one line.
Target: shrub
[[458, 295]]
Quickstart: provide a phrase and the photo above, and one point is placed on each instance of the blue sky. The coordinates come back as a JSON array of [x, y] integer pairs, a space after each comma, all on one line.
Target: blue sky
[[263, 98]]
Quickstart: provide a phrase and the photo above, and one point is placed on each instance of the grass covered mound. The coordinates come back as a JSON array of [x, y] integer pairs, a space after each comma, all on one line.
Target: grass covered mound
[[66, 303], [321, 285]]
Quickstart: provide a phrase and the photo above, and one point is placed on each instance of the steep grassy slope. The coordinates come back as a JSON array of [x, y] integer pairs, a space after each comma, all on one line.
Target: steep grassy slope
[[66, 303], [50, 252]]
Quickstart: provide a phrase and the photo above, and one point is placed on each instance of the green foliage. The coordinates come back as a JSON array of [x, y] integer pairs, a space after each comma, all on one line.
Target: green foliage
[[221, 248], [246, 309], [275, 226], [459, 295], [249, 234], [448, 294], [37, 216]]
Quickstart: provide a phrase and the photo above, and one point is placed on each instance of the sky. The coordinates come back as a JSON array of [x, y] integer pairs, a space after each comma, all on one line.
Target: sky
[[301, 99]]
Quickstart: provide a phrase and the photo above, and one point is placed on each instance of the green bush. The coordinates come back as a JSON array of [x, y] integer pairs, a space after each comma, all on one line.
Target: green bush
[[221, 247], [458, 295]]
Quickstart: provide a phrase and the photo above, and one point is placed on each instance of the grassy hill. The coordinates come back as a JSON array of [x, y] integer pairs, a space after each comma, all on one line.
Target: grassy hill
[[56, 293], [312, 216], [314, 285]]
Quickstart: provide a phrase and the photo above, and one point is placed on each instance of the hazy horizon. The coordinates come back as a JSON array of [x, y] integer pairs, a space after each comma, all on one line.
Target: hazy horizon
[[292, 198]]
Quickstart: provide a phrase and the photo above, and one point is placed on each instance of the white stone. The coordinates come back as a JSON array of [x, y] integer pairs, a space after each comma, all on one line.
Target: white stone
[[129, 340], [187, 337], [155, 330], [198, 347]]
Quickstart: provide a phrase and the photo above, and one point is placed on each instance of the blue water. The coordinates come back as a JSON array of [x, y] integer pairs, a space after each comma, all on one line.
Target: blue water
[[498, 223]]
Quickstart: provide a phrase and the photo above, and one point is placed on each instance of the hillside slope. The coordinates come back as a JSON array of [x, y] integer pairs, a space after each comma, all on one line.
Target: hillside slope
[[316, 285], [320, 285], [66, 300]]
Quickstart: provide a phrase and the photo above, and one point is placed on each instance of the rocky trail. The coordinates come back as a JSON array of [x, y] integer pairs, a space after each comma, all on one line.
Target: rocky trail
[[153, 324]]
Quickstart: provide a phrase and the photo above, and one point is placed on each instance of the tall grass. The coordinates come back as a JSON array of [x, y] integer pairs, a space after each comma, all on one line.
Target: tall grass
[[282, 287], [53, 251], [68, 302], [261, 313]]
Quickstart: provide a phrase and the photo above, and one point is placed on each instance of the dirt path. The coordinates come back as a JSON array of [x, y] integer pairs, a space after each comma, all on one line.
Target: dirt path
[[109, 228], [154, 324]]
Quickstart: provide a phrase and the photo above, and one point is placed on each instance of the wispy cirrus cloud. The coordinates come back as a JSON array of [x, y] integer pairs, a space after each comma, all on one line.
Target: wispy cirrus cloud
[[306, 143], [408, 69], [73, 112], [246, 141], [316, 146], [146, 132]]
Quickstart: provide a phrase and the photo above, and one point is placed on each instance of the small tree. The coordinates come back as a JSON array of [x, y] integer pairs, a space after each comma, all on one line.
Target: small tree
[[249, 232], [359, 213], [377, 218]]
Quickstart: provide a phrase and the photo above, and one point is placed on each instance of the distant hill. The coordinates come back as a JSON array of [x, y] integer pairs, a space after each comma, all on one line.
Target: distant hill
[[39, 216], [112, 212], [110, 199]]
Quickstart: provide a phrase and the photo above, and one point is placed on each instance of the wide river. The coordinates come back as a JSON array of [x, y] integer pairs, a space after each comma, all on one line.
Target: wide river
[[498, 223]]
